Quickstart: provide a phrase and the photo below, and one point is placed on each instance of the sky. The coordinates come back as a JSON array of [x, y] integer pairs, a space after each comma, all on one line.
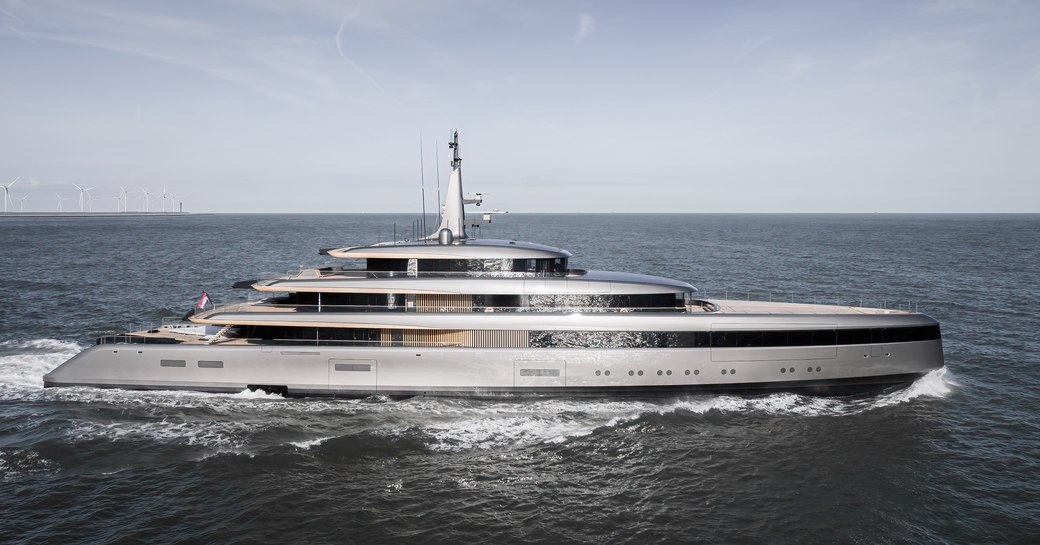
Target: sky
[[561, 106]]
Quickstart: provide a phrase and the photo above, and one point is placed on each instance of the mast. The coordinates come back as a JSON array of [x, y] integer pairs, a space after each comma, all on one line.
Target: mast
[[454, 218]]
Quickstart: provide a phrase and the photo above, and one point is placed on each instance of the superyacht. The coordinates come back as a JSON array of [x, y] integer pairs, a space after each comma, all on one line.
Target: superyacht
[[454, 315]]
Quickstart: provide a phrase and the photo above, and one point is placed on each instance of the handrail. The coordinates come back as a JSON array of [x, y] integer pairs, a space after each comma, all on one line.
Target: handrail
[[777, 296], [295, 274], [312, 307]]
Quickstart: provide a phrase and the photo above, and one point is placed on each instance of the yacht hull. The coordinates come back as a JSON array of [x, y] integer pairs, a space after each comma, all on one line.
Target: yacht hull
[[497, 372]]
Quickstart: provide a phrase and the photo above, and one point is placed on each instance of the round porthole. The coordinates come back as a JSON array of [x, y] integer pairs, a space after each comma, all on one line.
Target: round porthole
[[696, 371], [598, 373], [660, 372], [606, 373], [809, 369], [817, 369], [630, 373], [723, 371], [732, 371], [640, 373], [687, 371], [669, 372], [783, 369]]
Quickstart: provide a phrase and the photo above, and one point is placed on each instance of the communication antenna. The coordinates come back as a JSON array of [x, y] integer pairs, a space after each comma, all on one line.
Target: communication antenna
[[422, 184], [440, 205]]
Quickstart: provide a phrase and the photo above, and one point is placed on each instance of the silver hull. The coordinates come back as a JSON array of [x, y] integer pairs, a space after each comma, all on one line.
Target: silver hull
[[496, 372]]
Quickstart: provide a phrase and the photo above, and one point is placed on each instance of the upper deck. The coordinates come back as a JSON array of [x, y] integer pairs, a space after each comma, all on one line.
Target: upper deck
[[487, 282], [469, 248]]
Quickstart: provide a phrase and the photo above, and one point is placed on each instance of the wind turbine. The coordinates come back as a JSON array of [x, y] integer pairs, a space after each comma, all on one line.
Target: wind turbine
[[165, 196], [7, 192], [21, 202], [146, 194], [122, 197], [60, 200], [83, 191]]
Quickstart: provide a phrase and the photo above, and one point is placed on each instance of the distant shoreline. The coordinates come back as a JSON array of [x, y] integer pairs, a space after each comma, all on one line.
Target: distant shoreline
[[88, 214]]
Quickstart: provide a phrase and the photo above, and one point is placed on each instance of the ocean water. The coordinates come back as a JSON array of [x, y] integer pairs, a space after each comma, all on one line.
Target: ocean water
[[952, 458]]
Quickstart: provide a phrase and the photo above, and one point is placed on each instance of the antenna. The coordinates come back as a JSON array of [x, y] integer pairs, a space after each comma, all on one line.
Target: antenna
[[456, 161], [437, 156], [422, 184]]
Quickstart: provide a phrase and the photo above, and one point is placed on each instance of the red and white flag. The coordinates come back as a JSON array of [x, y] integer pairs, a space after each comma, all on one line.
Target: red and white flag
[[204, 300]]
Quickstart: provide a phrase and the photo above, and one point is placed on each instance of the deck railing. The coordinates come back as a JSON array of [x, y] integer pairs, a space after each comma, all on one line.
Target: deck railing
[[309, 307]]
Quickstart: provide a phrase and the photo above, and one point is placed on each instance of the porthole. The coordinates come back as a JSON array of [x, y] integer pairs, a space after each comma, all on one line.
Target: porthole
[[687, 371], [598, 373], [887, 354], [783, 369], [817, 369], [606, 373], [640, 373], [809, 369], [791, 370], [630, 373], [732, 371], [696, 371], [723, 371], [660, 372], [669, 372]]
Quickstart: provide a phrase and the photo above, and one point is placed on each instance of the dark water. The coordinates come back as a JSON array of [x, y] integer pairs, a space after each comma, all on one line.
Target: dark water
[[952, 458]]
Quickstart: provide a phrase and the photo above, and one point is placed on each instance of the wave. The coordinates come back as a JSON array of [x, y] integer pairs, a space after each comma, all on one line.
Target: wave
[[23, 363]]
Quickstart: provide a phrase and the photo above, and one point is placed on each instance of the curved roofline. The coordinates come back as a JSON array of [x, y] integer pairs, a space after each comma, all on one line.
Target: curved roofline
[[472, 248]]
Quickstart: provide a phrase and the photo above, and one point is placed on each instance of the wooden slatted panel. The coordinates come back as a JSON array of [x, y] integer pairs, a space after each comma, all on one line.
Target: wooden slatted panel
[[480, 338], [438, 302], [437, 337], [485, 338]]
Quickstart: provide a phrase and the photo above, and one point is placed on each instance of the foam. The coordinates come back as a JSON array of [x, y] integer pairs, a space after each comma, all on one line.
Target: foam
[[218, 434], [23, 364], [306, 445]]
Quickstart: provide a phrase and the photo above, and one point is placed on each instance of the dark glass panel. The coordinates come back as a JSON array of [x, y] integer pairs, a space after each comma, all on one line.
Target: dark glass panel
[[379, 264], [824, 337], [749, 339], [799, 338], [722, 339], [774, 338]]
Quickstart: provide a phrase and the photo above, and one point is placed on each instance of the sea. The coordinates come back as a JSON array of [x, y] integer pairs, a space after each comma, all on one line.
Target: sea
[[953, 458]]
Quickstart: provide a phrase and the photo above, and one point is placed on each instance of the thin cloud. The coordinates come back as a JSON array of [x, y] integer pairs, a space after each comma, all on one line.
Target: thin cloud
[[11, 24], [339, 49], [586, 26]]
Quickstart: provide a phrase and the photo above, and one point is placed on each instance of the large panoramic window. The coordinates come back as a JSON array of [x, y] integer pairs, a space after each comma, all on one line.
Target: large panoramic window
[[594, 302]]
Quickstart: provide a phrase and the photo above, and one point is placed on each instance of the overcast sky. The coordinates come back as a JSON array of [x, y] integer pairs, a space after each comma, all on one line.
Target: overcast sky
[[686, 106]]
